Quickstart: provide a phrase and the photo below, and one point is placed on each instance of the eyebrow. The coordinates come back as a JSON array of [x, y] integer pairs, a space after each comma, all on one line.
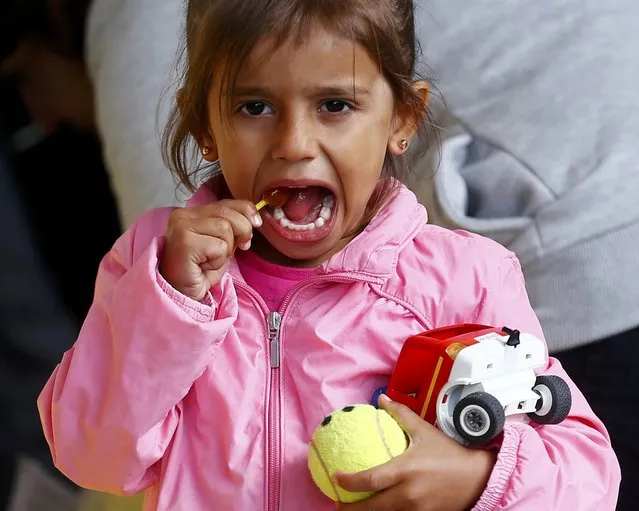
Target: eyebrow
[[319, 91]]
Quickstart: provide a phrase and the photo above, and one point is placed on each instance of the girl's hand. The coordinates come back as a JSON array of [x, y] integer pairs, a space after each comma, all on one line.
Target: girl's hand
[[200, 243], [434, 474]]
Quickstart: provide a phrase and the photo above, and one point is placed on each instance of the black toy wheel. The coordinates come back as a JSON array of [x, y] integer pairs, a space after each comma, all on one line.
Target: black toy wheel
[[555, 400], [478, 418]]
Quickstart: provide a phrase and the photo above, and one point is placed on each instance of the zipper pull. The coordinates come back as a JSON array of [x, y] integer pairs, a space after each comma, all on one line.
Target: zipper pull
[[273, 323]]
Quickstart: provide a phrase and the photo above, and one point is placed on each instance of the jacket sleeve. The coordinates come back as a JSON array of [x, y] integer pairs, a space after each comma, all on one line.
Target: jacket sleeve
[[112, 405], [570, 465]]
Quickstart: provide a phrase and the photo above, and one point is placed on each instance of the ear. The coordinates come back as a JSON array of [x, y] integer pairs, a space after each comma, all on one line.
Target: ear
[[208, 147], [405, 125]]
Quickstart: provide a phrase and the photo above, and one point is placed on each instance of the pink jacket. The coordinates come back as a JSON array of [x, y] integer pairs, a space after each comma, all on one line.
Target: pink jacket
[[206, 408]]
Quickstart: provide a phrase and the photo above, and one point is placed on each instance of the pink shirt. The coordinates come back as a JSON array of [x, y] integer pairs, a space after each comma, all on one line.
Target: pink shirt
[[271, 281]]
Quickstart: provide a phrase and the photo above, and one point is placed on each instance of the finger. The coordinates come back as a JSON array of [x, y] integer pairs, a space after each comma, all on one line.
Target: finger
[[409, 421], [215, 264], [212, 255], [388, 500], [209, 228], [213, 276], [375, 479], [247, 209], [238, 216], [244, 208]]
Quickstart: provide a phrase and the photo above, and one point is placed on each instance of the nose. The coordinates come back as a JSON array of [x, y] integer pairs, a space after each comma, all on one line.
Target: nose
[[295, 138]]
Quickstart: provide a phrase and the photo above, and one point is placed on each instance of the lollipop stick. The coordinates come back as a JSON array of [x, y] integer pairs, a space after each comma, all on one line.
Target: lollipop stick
[[261, 204]]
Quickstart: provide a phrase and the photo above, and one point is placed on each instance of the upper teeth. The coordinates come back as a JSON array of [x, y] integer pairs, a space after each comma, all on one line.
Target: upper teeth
[[324, 216]]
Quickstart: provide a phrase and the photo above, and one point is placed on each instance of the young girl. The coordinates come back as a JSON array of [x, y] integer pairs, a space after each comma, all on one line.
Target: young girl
[[221, 336]]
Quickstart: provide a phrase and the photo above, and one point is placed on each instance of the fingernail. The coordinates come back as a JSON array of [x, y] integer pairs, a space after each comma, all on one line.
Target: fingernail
[[257, 220], [244, 246], [384, 398]]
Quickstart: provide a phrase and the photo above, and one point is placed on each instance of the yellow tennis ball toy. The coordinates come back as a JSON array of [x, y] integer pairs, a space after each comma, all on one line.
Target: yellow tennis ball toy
[[351, 440]]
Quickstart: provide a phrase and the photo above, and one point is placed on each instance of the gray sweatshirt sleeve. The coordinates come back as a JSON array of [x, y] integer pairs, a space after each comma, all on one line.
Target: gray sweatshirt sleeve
[[131, 54]]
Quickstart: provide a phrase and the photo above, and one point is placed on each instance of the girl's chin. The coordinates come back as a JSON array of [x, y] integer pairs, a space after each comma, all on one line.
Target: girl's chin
[[296, 252]]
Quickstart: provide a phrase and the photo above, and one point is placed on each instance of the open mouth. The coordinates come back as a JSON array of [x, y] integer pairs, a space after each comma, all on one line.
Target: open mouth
[[309, 210]]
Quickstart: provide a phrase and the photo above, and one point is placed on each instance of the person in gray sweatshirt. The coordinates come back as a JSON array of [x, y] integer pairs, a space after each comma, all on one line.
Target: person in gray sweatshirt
[[539, 105], [541, 115]]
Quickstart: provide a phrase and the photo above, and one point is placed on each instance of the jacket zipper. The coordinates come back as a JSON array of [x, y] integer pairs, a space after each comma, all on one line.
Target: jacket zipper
[[274, 413], [273, 328], [274, 322]]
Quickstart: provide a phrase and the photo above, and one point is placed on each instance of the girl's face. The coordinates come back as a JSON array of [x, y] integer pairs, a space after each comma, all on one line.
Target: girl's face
[[316, 119]]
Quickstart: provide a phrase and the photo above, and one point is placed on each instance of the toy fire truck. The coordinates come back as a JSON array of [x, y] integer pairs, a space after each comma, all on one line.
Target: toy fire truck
[[466, 379]]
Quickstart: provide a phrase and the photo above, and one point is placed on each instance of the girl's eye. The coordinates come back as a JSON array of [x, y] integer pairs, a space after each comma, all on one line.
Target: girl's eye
[[335, 106], [256, 108]]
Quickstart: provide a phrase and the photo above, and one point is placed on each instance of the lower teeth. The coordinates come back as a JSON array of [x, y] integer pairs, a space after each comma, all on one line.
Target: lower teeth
[[324, 216]]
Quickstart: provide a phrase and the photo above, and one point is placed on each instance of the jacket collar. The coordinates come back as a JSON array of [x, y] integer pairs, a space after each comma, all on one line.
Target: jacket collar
[[374, 252]]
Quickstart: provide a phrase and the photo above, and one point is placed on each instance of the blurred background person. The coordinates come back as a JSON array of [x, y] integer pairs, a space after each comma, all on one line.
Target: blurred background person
[[36, 327], [54, 235], [540, 115], [131, 55]]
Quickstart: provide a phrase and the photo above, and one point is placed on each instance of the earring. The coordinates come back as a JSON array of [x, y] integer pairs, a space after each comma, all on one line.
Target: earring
[[206, 151], [403, 144]]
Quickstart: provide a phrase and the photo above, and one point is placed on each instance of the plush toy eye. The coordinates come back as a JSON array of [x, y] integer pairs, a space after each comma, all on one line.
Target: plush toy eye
[[327, 420], [348, 408]]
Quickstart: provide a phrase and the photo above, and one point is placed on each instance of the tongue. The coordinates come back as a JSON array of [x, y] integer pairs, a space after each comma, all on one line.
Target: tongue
[[302, 201]]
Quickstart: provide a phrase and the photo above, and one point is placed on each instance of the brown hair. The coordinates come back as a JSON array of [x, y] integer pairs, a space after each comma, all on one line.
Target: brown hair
[[220, 35]]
